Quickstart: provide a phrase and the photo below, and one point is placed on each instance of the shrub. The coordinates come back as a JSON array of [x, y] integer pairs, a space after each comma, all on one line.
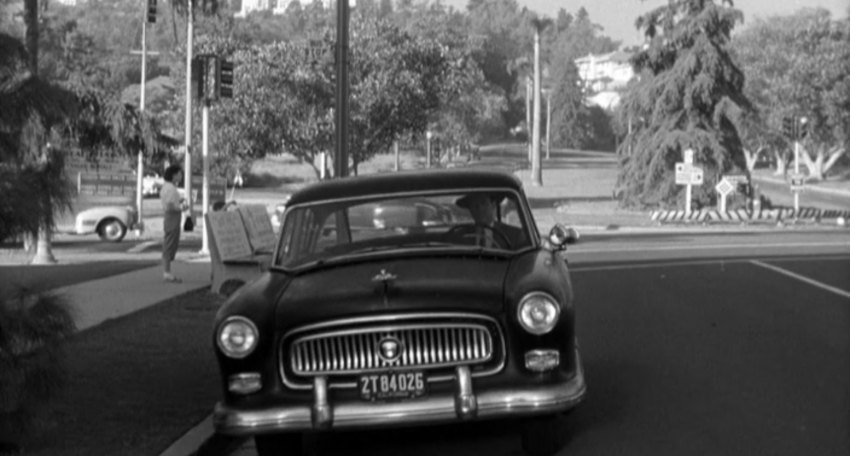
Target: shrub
[[32, 330]]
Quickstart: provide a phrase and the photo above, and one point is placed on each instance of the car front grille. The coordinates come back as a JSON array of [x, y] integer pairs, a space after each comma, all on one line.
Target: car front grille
[[358, 351]]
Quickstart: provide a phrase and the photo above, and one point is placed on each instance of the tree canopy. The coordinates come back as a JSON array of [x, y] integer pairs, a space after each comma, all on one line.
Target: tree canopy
[[689, 96], [798, 66]]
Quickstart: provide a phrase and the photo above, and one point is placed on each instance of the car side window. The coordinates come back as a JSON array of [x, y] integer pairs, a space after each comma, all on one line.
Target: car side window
[[510, 213]]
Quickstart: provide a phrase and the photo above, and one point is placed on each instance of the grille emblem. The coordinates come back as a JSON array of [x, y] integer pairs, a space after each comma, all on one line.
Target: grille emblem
[[389, 349]]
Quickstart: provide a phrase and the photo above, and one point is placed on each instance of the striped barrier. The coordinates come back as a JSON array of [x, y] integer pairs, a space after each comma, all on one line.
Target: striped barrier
[[772, 215], [678, 216]]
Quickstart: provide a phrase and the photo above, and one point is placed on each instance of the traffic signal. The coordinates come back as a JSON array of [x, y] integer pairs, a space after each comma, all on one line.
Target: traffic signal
[[788, 127], [803, 128], [199, 75], [152, 11], [225, 79]]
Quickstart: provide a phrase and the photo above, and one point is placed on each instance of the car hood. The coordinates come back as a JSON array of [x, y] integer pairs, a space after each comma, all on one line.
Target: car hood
[[472, 284]]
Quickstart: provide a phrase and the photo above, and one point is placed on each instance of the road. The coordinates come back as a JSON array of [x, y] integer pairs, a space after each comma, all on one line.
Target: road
[[780, 195], [733, 344]]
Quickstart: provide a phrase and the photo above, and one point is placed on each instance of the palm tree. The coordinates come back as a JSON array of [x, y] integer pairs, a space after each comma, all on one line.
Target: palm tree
[[30, 109]]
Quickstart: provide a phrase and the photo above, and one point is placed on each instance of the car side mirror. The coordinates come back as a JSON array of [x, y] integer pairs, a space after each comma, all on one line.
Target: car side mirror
[[560, 236]]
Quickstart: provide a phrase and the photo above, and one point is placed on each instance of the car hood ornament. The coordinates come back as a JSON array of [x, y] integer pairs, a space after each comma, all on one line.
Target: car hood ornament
[[384, 276]]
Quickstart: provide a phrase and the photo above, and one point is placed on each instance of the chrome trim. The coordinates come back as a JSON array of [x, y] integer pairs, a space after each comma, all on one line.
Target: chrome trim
[[509, 401], [466, 404], [322, 414], [368, 339], [397, 322]]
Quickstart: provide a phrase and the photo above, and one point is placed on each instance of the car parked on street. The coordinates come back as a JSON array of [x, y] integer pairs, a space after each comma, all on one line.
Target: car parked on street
[[418, 313]]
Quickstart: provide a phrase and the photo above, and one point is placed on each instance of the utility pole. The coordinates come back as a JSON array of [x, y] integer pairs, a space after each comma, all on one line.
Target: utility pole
[[548, 93], [528, 116], [341, 161], [148, 16], [187, 166], [536, 169]]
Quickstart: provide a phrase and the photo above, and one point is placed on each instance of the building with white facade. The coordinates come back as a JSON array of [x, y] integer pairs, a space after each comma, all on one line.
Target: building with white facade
[[604, 76], [275, 6]]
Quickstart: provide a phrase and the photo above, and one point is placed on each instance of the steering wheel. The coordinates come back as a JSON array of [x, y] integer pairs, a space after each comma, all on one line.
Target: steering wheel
[[469, 231]]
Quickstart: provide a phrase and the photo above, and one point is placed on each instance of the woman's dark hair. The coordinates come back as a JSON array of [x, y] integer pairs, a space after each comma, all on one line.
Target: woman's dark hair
[[170, 172]]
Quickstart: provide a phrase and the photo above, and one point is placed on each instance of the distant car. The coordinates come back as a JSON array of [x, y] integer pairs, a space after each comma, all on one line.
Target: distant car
[[151, 185], [382, 308]]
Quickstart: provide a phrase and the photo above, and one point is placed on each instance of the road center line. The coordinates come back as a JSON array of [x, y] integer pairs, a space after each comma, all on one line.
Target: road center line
[[801, 278]]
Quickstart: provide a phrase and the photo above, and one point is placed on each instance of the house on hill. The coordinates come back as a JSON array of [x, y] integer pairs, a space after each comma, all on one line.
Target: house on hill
[[605, 76]]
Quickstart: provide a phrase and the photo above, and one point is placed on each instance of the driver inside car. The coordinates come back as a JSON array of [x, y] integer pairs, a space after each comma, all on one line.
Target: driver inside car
[[489, 230]]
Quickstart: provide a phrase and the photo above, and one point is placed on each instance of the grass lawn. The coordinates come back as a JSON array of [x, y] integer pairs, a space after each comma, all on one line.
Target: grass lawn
[[135, 384]]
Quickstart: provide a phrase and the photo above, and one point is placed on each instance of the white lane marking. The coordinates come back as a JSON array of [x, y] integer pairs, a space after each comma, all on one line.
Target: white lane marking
[[801, 278], [662, 264], [659, 264], [645, 248]]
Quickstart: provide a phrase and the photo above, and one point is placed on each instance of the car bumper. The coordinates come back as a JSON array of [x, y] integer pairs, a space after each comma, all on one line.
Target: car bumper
[[463, 405]]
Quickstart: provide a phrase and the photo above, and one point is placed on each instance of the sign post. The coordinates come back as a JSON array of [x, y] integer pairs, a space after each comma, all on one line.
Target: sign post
[[724, 188], [688, 175], [796, 188]]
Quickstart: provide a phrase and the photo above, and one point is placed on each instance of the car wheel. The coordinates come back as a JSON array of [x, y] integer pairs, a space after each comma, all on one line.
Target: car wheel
[[543, 436], [278, 444], [111, 230]]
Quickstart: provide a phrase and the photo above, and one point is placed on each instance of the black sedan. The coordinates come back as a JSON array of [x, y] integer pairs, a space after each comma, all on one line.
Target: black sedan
[[452, 311]]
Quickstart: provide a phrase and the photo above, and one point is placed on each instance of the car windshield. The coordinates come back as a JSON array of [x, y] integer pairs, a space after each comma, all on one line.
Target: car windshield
[[321, 232]]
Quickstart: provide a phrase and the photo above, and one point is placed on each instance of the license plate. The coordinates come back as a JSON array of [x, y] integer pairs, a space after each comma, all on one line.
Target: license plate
[[388, 386]]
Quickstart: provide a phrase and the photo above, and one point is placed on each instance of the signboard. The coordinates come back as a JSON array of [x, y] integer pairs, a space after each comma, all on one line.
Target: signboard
[[259, 227], [218, 190], [688, 156], [736, 178], [687, 174], [229, 234], [724, 187], [106, 184]]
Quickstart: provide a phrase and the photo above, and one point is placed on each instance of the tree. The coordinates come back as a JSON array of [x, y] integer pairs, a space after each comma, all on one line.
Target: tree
[[507, 42], [690, 96], [31, 189], [798, 65], [572, 119]]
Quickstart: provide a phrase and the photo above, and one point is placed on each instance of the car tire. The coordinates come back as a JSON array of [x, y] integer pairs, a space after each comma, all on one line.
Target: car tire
[[543, 436], [111, 230], [279, 444]]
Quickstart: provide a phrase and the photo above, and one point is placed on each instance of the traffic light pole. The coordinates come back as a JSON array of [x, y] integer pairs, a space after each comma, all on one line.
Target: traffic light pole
[[796, 173], [140, 166], [205, 186], [187, 167]]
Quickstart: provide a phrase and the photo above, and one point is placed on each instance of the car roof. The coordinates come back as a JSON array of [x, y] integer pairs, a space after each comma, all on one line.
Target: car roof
[[405, 182]]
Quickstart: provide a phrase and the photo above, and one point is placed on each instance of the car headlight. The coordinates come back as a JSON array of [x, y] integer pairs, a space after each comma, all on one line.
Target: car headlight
[[237, 337], [538, 312]]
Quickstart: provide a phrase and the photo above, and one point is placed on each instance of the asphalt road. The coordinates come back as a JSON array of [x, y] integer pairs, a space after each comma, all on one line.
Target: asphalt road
[[733, 344], [780, 195]]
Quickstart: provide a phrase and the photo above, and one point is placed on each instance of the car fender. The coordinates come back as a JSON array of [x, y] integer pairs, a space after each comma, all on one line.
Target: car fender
[[87, 220]]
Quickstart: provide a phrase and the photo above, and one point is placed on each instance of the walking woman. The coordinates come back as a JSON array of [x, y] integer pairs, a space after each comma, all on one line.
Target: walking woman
[[173, 206]]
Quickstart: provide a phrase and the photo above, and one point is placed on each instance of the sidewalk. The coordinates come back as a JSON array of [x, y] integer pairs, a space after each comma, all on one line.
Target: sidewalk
[[96, 301]]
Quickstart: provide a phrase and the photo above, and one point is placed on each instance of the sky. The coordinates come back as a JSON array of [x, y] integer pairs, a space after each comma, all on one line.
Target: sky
[[617, 17]]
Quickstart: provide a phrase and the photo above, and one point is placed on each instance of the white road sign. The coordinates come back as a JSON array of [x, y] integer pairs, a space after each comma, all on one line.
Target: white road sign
[[687, 174], [724, 187]]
